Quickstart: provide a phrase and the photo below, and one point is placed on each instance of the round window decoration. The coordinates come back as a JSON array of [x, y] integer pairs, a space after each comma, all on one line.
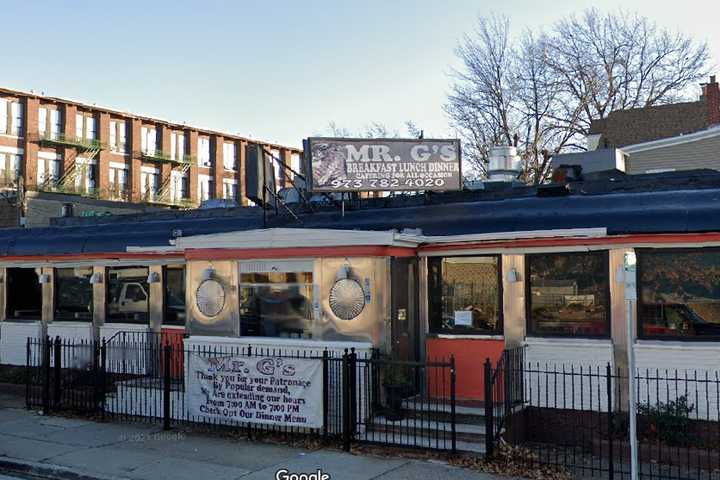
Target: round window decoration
[[210, 298], [347, 299]]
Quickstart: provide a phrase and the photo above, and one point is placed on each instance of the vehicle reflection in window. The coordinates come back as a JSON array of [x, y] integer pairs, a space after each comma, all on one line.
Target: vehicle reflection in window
[[128, 295]]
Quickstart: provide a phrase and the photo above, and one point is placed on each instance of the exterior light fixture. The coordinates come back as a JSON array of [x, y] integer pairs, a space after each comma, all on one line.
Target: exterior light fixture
[[153, 277], [513, 276], [208, 273], [44, 278], [96, 278]]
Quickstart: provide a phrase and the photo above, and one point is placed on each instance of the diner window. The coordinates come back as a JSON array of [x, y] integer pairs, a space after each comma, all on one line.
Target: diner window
[[174, 277], [24, 294], [276, 304], [128, 295], [464, 295], [568, 294], [73, 294], [679, 293]]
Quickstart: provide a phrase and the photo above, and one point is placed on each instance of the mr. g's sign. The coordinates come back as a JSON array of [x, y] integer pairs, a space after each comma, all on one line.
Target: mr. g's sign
[[346, 165]]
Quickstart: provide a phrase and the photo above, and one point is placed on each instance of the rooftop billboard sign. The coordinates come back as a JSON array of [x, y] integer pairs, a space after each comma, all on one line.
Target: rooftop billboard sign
[[361, 165]]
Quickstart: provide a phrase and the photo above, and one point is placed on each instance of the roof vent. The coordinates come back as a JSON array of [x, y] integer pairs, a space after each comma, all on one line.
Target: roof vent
[[504, 164]]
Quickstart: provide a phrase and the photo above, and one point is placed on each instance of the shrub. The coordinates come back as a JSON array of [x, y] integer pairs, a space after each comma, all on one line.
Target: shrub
[[667, 422]]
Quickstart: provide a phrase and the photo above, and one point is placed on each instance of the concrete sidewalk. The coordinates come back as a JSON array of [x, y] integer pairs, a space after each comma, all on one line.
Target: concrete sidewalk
[[74, 448]]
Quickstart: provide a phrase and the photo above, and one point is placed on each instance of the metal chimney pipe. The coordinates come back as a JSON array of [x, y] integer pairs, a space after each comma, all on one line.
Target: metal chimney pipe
[[504, 165]]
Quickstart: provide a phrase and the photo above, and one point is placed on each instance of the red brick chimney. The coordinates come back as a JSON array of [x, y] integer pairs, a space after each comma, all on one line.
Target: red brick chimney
[[711, 92]]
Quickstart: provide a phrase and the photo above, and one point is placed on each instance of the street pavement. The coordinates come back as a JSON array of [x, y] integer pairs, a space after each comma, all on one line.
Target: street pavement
[[59, 447]]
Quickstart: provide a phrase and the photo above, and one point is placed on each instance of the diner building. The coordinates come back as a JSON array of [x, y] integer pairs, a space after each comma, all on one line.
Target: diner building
[[466, 274]]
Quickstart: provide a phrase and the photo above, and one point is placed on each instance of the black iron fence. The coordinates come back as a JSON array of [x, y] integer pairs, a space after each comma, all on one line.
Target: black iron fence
[[576, 418], [153, 378]]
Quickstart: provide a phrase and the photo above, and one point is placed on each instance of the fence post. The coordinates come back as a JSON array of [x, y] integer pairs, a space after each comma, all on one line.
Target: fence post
[[103, 379], [507, 381], [453, 418], [353, 391], [346, 401], [489, 427], [167, 354], [47, 345], [28, 359], [58, 365], [326, 393], [610, 409]]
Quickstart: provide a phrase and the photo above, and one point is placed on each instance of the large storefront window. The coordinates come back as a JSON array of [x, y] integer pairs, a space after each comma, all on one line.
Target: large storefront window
[[73, 294], [276, 304], [568, 294], [174, 295], [128, 295], [23, 294], [679, 293], [464, 295]]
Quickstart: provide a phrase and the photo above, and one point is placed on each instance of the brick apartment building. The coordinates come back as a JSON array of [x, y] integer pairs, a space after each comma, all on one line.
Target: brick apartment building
[[84, 153]]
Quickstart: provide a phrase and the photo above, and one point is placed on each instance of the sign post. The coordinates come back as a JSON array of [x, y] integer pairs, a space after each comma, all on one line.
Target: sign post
[[630, 274]]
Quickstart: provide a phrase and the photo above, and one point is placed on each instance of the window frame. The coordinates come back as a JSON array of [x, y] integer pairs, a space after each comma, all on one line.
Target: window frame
[[531, 332], [56, 290], [639, 303], [108, 296], [499, 329], [165, 269]]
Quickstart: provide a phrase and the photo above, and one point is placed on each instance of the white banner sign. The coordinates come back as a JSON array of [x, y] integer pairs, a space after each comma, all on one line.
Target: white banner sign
[[270, 390]]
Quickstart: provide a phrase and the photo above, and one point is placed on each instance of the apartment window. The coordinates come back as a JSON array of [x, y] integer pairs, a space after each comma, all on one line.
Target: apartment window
[[11, 117], [148, 140], [4, 116], [149, 184], [205, 187], [49, 120], [203, 151], [85, 126], [177, 146], [17, 111], [73, 294], [174, 276], [48, 168], [229, 156], [679, 293], [276, 304], [179, 186], [128, 295], [118, 181], [85, 175], [230, 190], [569, 294], [118, 136], [9, 168], [464, 295], [42, 121]]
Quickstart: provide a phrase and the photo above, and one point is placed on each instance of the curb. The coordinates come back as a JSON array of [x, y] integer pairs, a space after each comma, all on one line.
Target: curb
[[12, 465]]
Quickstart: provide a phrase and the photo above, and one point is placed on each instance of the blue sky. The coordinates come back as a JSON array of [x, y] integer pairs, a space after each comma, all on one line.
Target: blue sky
[[279, 71]]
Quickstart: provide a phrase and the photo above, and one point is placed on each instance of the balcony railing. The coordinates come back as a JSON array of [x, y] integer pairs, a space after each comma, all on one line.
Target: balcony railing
[[168, 201], [160, 157], [62, 140]]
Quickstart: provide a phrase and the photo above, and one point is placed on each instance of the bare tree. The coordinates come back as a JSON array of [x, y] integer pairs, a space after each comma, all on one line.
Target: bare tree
[[372, 130], [540, 92]]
